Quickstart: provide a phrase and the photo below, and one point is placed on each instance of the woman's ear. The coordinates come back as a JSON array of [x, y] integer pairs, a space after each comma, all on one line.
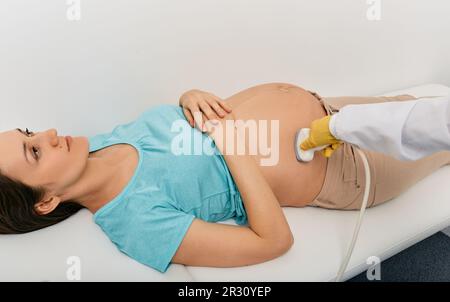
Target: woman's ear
[[44, 207]]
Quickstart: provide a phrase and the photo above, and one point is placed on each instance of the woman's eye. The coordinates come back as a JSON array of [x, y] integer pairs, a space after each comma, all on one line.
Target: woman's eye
[[35, 150]]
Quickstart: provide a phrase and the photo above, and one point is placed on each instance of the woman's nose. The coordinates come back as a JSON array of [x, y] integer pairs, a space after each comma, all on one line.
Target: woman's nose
[[52, 135]]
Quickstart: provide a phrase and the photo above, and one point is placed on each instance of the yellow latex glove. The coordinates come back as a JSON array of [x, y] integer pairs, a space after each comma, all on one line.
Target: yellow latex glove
[[320, 135]]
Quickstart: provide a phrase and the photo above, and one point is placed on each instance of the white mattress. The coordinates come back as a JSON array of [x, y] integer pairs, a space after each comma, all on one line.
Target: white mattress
[[321, 240]]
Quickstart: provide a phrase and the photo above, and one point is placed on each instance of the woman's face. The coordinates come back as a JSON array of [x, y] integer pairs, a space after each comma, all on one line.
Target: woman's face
[[46, 161]]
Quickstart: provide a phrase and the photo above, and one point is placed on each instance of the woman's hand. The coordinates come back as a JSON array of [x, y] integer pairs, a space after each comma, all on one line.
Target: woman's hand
[[200, 106]]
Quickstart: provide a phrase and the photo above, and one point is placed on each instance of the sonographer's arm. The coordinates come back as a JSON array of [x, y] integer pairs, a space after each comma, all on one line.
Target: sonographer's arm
[[407, 130]]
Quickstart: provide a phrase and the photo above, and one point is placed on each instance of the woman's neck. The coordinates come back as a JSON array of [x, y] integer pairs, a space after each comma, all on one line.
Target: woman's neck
[[99, 182]]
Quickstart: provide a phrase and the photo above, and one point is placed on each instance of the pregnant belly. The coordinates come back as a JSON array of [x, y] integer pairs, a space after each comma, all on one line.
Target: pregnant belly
[[294, 183]]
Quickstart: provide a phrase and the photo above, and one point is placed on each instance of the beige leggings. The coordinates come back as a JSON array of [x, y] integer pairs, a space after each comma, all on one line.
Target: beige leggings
[[344, 183]]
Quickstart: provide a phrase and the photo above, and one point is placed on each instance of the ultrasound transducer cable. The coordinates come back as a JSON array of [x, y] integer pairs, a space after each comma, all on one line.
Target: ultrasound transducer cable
[[308, 155]]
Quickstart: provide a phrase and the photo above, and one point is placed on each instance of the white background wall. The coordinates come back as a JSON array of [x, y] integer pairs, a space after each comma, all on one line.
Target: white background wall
[[83, 77]]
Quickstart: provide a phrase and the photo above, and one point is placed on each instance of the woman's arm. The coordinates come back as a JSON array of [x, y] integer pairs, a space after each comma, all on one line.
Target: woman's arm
[[220, 245], [265, 215], [264, 212]]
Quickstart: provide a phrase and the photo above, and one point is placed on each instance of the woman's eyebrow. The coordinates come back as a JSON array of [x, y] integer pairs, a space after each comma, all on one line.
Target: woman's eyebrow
[[24, 147]]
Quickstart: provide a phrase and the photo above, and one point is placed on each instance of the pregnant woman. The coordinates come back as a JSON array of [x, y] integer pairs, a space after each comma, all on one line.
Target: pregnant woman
[[160, 206]]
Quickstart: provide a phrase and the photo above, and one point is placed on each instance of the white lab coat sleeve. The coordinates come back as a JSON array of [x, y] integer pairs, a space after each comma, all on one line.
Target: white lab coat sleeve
[[406, 130]]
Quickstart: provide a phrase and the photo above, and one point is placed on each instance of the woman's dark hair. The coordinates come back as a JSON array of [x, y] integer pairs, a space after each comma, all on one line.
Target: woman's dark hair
[[17, 213]]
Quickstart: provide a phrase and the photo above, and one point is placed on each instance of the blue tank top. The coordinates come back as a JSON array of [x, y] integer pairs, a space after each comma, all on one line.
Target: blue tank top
[[181, 175]]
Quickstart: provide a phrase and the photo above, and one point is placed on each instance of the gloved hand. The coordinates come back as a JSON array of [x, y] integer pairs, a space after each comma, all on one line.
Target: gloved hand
[[320, 135]]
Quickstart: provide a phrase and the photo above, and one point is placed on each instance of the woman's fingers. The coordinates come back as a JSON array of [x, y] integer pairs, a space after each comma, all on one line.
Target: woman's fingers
[[204, 119], [206, 109], [225, 106], [215, 105], [222, 104], [189, 116], [197, 114], [199, 108], [200, 118]]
